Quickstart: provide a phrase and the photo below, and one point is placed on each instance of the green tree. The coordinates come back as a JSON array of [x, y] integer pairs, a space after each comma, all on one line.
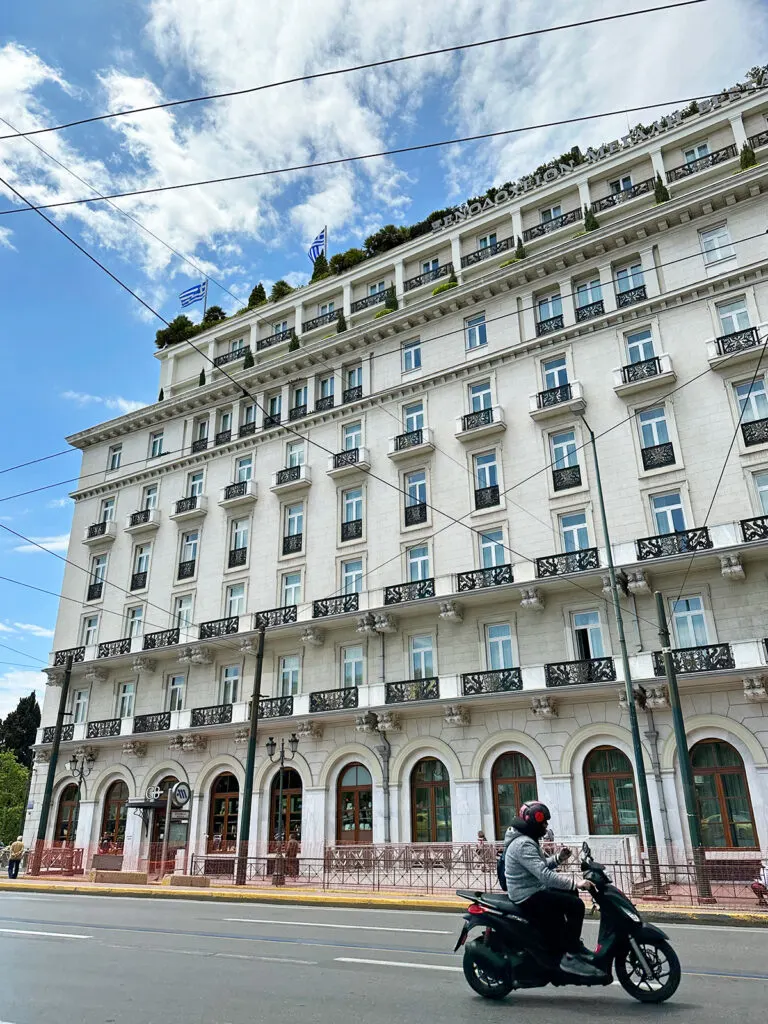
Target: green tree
[[520, 249], [248, 361], [340, 262], [201, 378], [179, 329], [17, 732], [660, 190], [213, 315], [161, 396], [279, 291], [385, 238], [747, 157], [341, 323], [390, 302], [257, 297], [590, 220], [13, 789], [321, 268]]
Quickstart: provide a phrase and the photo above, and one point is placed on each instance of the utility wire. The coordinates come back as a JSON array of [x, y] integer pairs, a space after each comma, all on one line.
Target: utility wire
[[32, 657]]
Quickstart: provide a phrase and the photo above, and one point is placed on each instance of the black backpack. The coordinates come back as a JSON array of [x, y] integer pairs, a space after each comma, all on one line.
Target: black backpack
[[500, 872]]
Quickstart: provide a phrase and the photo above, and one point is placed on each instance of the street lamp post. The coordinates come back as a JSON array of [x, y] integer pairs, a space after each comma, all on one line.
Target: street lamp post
[[278, 876]]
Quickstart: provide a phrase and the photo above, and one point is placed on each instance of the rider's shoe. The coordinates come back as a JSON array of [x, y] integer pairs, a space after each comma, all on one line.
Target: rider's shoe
[[586, 953], [572, 964]]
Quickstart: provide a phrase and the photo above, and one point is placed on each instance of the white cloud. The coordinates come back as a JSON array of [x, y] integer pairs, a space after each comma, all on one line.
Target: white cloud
[[18, 683], [117, 403], [6, 629], [33, 630], [5, 239], [60, 503], [58, 543]]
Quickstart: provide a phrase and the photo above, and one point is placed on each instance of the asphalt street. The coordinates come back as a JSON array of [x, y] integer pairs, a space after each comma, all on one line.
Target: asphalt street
[[105, 960]]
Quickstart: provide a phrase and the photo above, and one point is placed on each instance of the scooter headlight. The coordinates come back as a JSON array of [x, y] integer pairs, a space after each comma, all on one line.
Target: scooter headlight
[[631, 914]]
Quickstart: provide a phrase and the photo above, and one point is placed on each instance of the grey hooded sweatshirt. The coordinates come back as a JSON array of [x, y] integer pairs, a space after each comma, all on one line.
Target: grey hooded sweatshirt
[[528, 871]]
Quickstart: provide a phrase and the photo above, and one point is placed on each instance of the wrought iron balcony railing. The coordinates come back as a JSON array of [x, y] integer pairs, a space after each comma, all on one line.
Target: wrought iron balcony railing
[[237, 556], [642, 370], [719, 156], [761, 139], [569, 561], [571, 673], [334, 700], [737, 341], [631, 296], [223, 437], [188, 504], [335, 605], [352, 394], [350, 457], [199, 445], [479, 418], [755, 432], [487, 497], [413, 591], [158, 722], [162, 638], [272, 420], [219, 627], [658, 455], [297, 412], [275, 339], [282, 616], [412, 690], [479, 579], [60, 657], [139, 580], [324, 404], [677, 543], [231, 357], [97, 530], [288, 475], [112, 648], [616, 198], [567, 476], [487, 252], [186, 569], [352, 529], [95, 590], [706, 658], [552, 323], [320, 321], [246, 429], [139, 518], [371, 300], [554, 396], [67, 732], [275, 707], [217, 714], [410, 439], [590, 311], [755, 529], [500, 680], [237, 490], [429, 275], [415, 514], [103, 729], [546, 227], [292, 543]]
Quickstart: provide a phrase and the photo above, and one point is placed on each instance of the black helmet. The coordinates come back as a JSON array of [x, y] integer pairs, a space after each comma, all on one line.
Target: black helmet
[[535, 815]]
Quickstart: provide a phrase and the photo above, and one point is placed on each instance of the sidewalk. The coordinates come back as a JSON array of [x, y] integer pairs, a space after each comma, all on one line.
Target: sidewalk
[[303, 896]]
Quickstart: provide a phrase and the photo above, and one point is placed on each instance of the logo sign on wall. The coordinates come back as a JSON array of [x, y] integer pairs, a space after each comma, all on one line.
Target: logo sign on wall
[[154, 793], [181, 794]]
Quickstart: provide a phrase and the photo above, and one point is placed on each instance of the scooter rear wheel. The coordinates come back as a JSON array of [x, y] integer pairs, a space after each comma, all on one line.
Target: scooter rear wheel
[[662, 960], [483, 981]]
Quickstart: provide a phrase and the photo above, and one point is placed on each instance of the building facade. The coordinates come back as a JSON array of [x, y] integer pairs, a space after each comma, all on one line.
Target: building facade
[[410, 508]]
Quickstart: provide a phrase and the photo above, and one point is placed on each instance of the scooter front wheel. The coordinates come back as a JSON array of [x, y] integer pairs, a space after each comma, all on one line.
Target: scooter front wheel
[[481, 977], [664, 965]]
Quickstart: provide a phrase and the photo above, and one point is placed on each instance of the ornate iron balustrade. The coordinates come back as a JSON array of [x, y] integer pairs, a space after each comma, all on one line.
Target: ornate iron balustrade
[[335, 605], [658, 455], [219, 627], [755, 432], [297, 412], [162, 638], [571, 673], [415, 514], [568, 476], [186, 569], [112, 648], [138, 581], [274, 707], [552, 323], [371, 300], [231, 357], [237, 556], [350, 457], [479, 418], [487, 252], [501, 680], [755, 529], [320, 321], [707, 658], [590, 311], [546, 227], [487, 497], [478, 579], [412, 690], [271, 421], [217, 714], [641, 371], [352, 394], [275, 339], [222, 437], [158, 722], [186, 504], [246, 429], [101, 730], [569, 561], [410, 439], [761, 139], [616, 198], [352, 529], [631, 296], [97, 530], [677, 543], [413, 591], [554, 396], [288, 475], [719, 156], [237, 490], [737, 341], [199, 445], [429, 275], [67, 732], [334, 700], [140, 517], [282, 616], [60, 657], [292, 543], [324, 404], [95, 590]]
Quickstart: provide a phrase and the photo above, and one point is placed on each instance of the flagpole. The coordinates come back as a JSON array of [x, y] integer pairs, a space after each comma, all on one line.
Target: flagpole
[[325, 235]]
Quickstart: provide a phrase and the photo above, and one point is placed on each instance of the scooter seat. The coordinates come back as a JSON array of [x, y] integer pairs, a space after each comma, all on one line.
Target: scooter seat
[[503, 904]]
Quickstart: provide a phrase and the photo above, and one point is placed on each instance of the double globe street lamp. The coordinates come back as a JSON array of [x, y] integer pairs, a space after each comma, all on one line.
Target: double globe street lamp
[[278, 875]]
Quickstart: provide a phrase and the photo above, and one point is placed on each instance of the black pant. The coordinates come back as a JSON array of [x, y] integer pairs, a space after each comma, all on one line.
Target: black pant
[[13, 868], [559, 915]]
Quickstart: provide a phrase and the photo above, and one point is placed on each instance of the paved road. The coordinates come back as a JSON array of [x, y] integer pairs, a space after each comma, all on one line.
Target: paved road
[[105, 960]]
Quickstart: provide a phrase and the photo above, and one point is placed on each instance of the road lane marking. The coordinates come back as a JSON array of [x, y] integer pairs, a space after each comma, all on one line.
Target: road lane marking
[[351, 927], [265, 959], [394, 963], [55, 935]]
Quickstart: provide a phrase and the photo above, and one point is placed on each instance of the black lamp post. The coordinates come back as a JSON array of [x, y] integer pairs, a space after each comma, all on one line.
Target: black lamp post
[[278, 876], [80, 765]]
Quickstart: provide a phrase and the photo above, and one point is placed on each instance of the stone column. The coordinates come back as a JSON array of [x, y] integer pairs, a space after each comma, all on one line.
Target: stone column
[[466, 818], [650, 274], [555, 791], [399, 278], [313, 821], [134, 824], [85, 816], [739, 135], [456, 255]]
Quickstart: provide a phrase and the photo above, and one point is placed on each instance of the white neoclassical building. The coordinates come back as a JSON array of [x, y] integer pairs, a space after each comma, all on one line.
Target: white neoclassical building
[[410, 508]]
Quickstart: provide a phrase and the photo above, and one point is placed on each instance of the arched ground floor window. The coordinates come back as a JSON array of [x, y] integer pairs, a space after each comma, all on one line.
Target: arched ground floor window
[[354, 801], [722, 797], [112, 836], [430, 802], [514, 782], [610, 787], [222, 817], [66, 817]]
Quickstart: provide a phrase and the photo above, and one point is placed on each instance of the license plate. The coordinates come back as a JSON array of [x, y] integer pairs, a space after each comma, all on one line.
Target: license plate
[[462, 938]]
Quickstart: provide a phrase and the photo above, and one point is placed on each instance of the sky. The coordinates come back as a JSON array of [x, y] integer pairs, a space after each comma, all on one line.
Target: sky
[[78, 350]]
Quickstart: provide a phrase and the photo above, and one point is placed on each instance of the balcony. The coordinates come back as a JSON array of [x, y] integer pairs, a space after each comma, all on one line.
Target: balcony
[[243, 493], [275, 339], [679, 543], [237, 557], [283, 616], [186, 569], [502, 680], [479, 579], [193, 507], [352, 394], [139, 580], [412, 690], [345, 699], [550, 325], [247, 429], [547, 227], [648, 373], [371, 300], [199, 445], [719, 156], [163, 638], [572, 673], [298, 412], [657, 456], [416, 590], [222, 437], [113, 648], [349, 462], [736, 347], [293, 543], [761, 139], [275, 707], [754, 432], [687, 660], [158, 722], [324, 403], [642, 188], [103, 729], [755, 529], [231, 357], [427, 277], [67, 733], [480, 423], [589, 311], [99, 533], [335, 605], [293, 478], [321, 321], [584, 560], [487, 497], [488, 252], [411, 444], [566, 477], [565, 399], [271, 420], [219, 627], [415, 514], [76, 653], [95, 591], [352, 529], [145, 520], [217, 714]]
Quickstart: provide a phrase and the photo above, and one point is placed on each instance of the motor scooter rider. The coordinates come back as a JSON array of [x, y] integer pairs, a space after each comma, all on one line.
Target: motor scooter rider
[[547, 898]]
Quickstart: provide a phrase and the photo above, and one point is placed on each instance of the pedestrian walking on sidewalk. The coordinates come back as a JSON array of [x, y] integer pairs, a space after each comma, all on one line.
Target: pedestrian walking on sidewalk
[[15, 853]]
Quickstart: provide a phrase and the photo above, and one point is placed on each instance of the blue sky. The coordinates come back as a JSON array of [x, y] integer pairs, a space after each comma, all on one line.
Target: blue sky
[[78, 350]]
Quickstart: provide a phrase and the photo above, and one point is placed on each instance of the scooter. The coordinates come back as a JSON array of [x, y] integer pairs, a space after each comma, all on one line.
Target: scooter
[[511, 953]]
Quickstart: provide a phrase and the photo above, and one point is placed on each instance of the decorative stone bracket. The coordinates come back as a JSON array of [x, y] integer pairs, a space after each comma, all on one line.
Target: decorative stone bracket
[[637, 582], [455, 714], [55, 676], [96, 675], [135, 748], [141, 663], [385, 623], [756, 688], [308, 730], [621, 583], [189, 743], [451, 611], [640, 694], [195, 656], [731, 567], [531, 599], [543, 707], [42, 756], [241, 737], [313, 637], [657, 698]]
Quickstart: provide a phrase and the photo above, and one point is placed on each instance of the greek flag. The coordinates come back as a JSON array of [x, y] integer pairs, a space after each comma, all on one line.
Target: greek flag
[[317, 246], [194, 294]]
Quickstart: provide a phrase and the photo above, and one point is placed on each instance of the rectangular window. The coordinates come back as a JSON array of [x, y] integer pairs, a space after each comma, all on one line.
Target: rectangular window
[[244, 469], [475, 331], [135, 621], [761, 489], [114, 457], [587, 636], [280, 327], [416, 488], [352, 576], [126, 695], [668, 513], [225, 421], [189, 544], [573, 528], [486, 241], [716, 244], [98, 568], [551, 213], [156, 444], [195, 485], [492, 549], [352, 666], [182, 611], [422, 663], [289, 675], [375, 289], [325, 307], [351, 436], [696, 152], [295, 453], [480, 396], [201, 430], [653, 427], [486, 470], [498, 646], [429, 265], [733, 316], [291, 588], [588, 292], [79, 706], [300, 396], [752, 399], [622, 184], [230, 684], [413, 417], [639, 346], [418, 563], [354, 377], [237, 345], [176, 692], [689, 623], [630, 277], [352, 504], [554, 372], [107, 510], [141, 555], [549, 306], [235, 600], [149, 498], [411, 356], [90, 630], [294, 520], [563, 446], [274, 406], [326, 387], [240, 530], [248, 414]]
